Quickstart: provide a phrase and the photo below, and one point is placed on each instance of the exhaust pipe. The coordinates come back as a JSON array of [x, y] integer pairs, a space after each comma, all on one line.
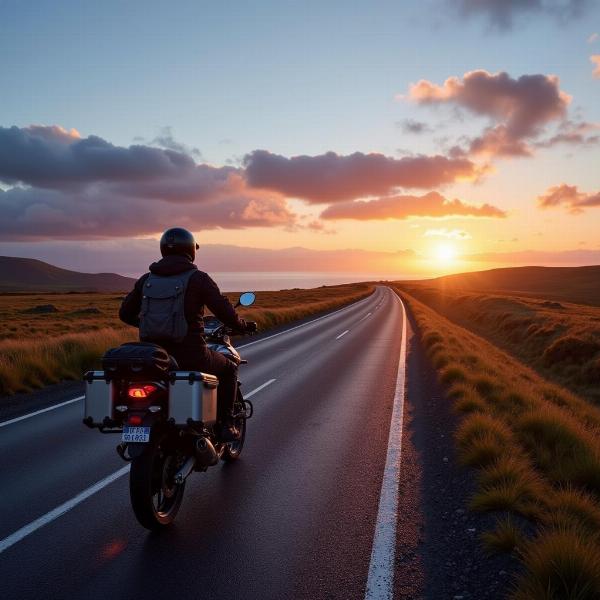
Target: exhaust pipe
[[206, 455]]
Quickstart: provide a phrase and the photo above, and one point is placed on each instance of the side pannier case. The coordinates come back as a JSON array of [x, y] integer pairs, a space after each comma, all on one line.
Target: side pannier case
[[100, 394], [192, 395]]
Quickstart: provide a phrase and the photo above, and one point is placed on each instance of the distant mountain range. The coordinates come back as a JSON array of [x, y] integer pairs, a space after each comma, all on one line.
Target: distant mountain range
[[570, 284], [31, 275]]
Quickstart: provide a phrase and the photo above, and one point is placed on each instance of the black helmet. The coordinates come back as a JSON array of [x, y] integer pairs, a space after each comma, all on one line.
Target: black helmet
[[178, 241]]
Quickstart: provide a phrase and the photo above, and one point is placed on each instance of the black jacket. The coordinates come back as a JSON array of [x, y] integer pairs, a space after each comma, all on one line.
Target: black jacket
[[201, 291]]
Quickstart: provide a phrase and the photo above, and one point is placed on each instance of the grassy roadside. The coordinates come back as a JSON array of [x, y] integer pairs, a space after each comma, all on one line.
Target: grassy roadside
[[40, 348], [536, 449], [560, 340]]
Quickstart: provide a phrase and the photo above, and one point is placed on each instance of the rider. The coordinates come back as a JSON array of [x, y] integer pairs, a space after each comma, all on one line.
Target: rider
[[178, 248]]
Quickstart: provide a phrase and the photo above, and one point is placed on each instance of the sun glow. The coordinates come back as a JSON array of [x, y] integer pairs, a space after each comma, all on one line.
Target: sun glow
[[445, 253]]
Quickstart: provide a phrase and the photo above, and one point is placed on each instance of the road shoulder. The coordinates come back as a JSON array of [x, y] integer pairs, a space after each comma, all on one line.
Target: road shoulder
[[438, 552]]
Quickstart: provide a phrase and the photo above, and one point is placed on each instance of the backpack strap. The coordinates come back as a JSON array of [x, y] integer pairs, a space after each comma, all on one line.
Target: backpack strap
[[186, 276]]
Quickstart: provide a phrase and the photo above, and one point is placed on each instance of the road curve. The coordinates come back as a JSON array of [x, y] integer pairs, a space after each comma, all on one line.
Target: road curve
[[294, 518]]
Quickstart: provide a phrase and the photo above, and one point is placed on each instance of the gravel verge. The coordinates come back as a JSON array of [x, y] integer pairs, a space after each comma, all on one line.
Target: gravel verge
[[439, 553]]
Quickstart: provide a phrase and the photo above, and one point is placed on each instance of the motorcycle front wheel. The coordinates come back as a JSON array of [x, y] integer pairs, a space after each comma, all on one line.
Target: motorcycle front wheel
[[232, 450], [155, 497]]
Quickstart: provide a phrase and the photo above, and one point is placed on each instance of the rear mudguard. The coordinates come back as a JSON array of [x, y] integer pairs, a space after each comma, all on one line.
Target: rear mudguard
[[135, 449]]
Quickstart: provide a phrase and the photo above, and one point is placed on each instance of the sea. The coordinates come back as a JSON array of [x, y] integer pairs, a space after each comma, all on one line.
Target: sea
[[242, 281]]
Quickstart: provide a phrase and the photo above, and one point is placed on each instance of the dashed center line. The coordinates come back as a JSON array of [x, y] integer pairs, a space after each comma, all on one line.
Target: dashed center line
[[260, 387], [342, 334], [367, 315]]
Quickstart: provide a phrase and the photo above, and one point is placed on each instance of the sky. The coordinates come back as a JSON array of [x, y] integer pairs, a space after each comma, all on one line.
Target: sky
[[427, 136]]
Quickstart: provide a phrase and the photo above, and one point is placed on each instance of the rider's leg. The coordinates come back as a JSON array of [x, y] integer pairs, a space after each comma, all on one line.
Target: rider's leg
[[201, 358], [226, 371]]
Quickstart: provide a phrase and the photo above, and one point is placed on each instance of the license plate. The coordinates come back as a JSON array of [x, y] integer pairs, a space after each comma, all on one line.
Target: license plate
[[136, 434]]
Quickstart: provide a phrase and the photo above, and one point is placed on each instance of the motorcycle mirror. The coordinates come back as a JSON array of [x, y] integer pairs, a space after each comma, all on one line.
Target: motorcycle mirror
[[247, 299]]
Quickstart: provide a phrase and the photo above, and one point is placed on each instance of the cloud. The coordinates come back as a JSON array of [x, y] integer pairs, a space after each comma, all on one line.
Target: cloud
[[518, 109], [431, 204], [49, 157], [501, 14], [332, 177], [569, 197], [72, 187], [593, 38], [93, 213], [595, 59], [574, 133], [166, 139], [319, 227], [413, 126], [453, 234]]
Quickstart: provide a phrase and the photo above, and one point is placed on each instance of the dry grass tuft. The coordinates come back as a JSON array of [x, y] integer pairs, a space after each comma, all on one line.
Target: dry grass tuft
[[510, 484], [482, 440], [560, 565], [574, 508], [505, 537]]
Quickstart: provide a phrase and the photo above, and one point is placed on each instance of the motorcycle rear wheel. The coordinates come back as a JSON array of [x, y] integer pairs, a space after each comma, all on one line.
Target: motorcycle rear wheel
[[155, 497]]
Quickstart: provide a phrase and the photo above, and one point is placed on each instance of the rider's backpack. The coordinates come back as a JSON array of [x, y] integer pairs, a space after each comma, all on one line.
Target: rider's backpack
[[162, 318]]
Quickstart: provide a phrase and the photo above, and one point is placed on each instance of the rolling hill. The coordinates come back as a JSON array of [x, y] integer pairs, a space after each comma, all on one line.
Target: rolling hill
[[30, 275], [580, 285]]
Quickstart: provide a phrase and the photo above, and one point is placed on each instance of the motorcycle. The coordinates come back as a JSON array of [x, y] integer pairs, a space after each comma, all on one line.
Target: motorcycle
[[167, 418]]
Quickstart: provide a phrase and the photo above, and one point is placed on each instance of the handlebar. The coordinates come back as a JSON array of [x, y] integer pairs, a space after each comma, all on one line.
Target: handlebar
[[222, 329]]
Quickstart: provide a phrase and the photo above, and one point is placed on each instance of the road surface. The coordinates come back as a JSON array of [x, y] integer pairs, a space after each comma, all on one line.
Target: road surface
[[296, 517]]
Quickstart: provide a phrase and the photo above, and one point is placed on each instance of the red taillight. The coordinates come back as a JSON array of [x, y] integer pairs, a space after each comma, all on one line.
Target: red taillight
[[135, 420], [141, 391]]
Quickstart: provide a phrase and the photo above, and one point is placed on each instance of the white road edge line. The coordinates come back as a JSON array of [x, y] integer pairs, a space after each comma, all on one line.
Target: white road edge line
[[39, 412], [335, 312], [65, 507], [380, 582], [342, 334]]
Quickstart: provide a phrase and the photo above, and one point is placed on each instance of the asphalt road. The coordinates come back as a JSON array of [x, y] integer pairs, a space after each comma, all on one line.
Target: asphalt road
[[295, 517]]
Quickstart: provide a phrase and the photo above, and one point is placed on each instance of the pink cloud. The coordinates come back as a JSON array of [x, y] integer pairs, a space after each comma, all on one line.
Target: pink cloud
[[332, 177], [574, 133], [595, 59], [519, 109], [569, 197], [431, 204]]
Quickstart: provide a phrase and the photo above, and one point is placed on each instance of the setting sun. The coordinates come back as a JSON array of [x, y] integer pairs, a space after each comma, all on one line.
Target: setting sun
[[445, 253]]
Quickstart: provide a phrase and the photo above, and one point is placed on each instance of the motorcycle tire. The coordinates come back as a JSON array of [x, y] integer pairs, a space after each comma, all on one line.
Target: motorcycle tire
[[155, 498], [232, 450]]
